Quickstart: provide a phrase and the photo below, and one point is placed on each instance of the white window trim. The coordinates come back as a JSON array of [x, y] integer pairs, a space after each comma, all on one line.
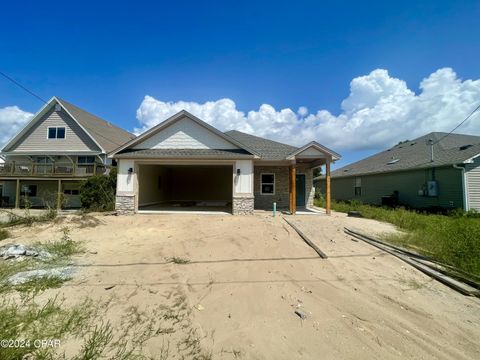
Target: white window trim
[[261, 183], [56, 127]]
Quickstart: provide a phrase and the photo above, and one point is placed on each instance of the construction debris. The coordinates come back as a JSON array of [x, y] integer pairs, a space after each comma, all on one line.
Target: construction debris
[[301, 314], [63, 273], [18, 251], [422, 263], [307, 240]]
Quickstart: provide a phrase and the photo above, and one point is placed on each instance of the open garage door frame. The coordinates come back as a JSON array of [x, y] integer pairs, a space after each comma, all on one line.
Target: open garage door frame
[[205, 187]]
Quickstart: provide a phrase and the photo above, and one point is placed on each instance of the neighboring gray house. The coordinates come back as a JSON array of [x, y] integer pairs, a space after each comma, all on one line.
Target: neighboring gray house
[[185, 164], [416, 173], [58, 148]]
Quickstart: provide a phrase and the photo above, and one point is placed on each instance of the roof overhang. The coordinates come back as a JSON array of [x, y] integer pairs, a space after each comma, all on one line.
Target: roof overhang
[[41, 152], [44, 109], [156, 129], [471, 160], [325, 152]]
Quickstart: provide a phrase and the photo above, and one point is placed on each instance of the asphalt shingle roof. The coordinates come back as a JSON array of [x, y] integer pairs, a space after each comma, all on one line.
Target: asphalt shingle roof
[[267, 149], [416, 154], [186, 153], [109, 136]]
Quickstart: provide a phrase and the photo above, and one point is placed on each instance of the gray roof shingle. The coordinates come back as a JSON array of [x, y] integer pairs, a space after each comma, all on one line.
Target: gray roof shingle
[[267, 149], [186, 154], [416, 154], [109, 136]]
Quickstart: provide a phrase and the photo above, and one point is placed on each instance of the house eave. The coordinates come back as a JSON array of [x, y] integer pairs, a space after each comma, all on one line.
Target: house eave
[[164, 124]]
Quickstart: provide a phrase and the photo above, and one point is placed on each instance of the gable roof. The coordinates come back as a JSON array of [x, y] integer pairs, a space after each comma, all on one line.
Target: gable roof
[[315, 145], [416, 154], [171, 120], [266, 149], [103, 133], [274, 150], [106, 134]]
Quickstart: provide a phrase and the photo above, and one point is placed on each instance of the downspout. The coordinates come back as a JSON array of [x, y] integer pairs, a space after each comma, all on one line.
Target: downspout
[[464, 187]]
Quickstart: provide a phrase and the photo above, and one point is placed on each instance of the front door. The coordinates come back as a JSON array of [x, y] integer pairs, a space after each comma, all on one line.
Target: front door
[[300, 190]]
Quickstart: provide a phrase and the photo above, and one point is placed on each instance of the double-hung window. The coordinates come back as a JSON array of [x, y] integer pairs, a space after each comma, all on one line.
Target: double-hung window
[[267, 184], [56, 132]]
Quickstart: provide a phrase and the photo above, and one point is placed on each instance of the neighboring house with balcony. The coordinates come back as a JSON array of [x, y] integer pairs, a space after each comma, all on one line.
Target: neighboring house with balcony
[[61, 146]]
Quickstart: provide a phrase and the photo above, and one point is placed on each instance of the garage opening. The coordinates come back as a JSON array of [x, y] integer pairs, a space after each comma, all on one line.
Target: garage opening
[[189, 188]]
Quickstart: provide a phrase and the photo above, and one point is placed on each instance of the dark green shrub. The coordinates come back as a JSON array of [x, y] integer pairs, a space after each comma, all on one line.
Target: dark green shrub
[[98, 192]]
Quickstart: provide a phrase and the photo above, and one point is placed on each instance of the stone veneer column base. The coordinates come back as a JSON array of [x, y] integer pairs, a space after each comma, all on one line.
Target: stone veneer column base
[[242, 205], [125, 204]]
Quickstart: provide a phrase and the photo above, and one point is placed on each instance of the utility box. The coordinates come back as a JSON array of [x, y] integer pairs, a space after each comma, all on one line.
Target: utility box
[[432, 188]]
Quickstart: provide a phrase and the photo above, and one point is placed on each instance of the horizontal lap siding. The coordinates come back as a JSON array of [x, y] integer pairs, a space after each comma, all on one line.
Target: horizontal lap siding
[[407, 183], [472, 175], [185, 134], [36, 138]]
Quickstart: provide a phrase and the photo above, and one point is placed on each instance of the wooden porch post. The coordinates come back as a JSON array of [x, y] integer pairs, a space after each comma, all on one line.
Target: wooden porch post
[[17, 195], [293, 189], [59, 195], [328, 194]]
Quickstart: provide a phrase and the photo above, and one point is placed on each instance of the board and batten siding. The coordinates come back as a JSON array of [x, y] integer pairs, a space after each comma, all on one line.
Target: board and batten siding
[[36, 138], [472, 184], [407, 183], [185, 134]]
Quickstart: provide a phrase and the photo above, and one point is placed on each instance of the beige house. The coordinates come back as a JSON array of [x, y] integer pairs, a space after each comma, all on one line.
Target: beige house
[[58, 148], [185, 164]]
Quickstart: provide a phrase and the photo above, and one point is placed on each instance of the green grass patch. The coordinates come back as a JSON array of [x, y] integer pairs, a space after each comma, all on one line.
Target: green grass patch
[[28, 320], [15, 219], [61, 252], [4, 234], [452, 239], [178, 260]]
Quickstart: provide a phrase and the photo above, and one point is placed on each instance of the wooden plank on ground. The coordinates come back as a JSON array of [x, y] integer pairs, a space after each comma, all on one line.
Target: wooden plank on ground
[[459, 286], [307, 240]]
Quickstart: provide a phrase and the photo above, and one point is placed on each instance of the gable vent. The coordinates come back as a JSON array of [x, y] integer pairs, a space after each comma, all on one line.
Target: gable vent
[[58, 107]]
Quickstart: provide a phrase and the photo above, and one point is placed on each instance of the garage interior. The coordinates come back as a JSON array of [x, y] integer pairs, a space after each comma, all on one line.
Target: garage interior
[[185, 188]]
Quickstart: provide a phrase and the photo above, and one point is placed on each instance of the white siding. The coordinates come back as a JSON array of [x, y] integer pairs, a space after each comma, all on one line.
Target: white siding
[[243, 183], [185, 134], [35, 140], [126, 180], [311, 151], [472, 184]]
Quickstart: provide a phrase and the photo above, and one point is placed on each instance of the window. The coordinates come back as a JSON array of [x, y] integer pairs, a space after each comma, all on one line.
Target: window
[[86, 159], [56, 133], [267, 184], [29, 190], [43, 160], [71, 192], [358, 187]]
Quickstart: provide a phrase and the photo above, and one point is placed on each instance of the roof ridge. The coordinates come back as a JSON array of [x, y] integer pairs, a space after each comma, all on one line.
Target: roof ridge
[[261, 138]]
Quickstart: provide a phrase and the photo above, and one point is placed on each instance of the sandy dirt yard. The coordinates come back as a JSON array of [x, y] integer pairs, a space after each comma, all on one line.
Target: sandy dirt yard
[[236, 298]]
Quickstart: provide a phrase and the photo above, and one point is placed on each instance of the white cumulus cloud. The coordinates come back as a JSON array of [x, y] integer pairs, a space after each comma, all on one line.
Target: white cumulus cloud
[[12, 120], [379, 111]]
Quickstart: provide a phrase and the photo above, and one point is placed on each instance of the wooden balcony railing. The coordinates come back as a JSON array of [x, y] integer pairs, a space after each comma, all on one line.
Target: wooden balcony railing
[[14, 168]]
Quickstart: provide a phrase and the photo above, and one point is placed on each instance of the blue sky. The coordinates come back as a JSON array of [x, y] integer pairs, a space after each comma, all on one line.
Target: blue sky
[[107, 56]]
